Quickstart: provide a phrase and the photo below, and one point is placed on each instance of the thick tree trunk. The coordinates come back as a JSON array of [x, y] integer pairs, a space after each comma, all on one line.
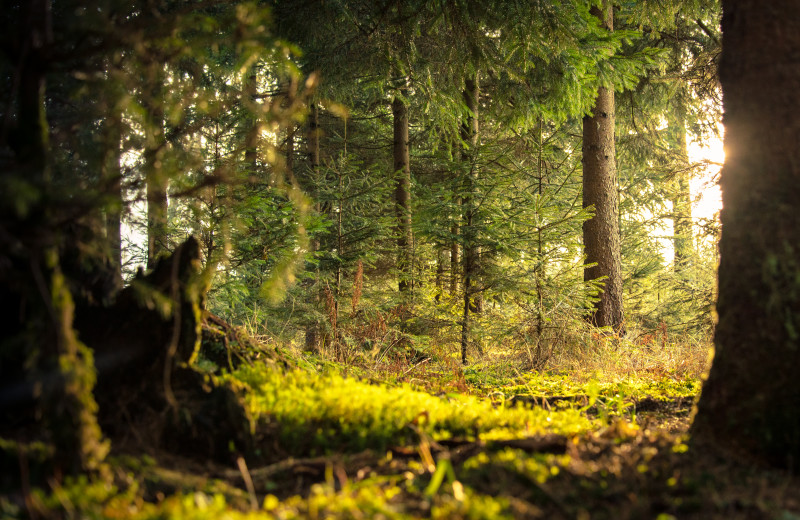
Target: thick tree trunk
[[750, 401], [601, 236], [469, 136], [64, 368], [402, 193]]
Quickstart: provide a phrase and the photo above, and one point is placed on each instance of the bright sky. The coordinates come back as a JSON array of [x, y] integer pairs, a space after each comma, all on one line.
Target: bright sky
[[705, 192], [706, 195]]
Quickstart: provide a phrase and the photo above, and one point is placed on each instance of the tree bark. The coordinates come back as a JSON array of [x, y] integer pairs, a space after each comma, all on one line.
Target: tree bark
[[64, 367], [469, 137], [601, 236], [440, 270], [749, 402], [455, 232], [112, 174], [402, 193], [155, 177], [312, 142], [455, 251], [253, 130]]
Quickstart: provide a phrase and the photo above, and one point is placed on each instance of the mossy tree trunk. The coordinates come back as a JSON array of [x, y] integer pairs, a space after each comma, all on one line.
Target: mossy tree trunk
[[750, 401], [601, 236], [65, 366]]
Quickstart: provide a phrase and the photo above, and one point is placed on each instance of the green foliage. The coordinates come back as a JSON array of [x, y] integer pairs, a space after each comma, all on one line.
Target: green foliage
[[275, 255]]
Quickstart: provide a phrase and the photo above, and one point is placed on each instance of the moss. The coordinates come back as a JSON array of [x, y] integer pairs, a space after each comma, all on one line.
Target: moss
[[70, 407], [319, 413]]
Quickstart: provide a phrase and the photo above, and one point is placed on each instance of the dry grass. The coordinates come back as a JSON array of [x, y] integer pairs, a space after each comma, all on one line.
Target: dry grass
[[584, 352], [654, 355]]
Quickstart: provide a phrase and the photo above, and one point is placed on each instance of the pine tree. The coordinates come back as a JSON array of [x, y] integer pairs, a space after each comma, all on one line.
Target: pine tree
[[601, 232], [748, 402]]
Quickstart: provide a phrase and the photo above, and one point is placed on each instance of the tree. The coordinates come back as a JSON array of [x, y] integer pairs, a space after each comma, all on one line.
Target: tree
[[470, 138], [155, 179], [601, 232], [32, 278], [111, 84], [681, 195], [402, 193], [541, 66], [749, 402]]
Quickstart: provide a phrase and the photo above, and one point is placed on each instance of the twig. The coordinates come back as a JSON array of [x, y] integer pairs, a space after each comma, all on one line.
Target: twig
[[248, 482], [415, 366]]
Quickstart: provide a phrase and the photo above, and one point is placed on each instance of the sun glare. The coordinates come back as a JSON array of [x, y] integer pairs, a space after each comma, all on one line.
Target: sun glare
[[705, 190]]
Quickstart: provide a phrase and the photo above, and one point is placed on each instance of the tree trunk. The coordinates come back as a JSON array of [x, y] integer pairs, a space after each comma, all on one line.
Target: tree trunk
[[64, 366], [455, 232], [455, 252], [469, 136], [749, 402], [155, 178], [601, 236], [682, 196], [253, 128], [402, 193], [112, 174], [440, 270], [290, 155], [312, 329]]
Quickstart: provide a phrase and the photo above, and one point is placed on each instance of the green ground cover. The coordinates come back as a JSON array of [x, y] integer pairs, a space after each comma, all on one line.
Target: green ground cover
[[508, 445]]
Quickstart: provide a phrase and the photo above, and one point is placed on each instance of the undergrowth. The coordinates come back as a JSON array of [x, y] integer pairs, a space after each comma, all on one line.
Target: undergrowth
[[400, 438]]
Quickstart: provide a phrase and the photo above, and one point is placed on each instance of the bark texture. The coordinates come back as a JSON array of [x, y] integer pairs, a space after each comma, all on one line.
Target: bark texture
[[601, 237], [402, 192], [38, 308], [751, 398], [470, 136]]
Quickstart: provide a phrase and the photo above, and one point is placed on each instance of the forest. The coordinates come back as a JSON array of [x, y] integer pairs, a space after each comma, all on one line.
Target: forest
[[399, 259]]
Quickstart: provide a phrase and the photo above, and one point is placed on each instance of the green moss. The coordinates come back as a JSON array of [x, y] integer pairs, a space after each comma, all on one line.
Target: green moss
[[630, 388], [313, 412]]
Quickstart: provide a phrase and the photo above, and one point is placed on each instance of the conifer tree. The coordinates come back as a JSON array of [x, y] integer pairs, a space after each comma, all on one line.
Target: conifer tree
[[748, 403], [601, 232], [40, 289], [402, 192], [470, 138]]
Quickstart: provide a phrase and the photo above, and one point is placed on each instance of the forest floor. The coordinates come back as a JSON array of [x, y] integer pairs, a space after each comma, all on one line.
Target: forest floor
[[428, 439]]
